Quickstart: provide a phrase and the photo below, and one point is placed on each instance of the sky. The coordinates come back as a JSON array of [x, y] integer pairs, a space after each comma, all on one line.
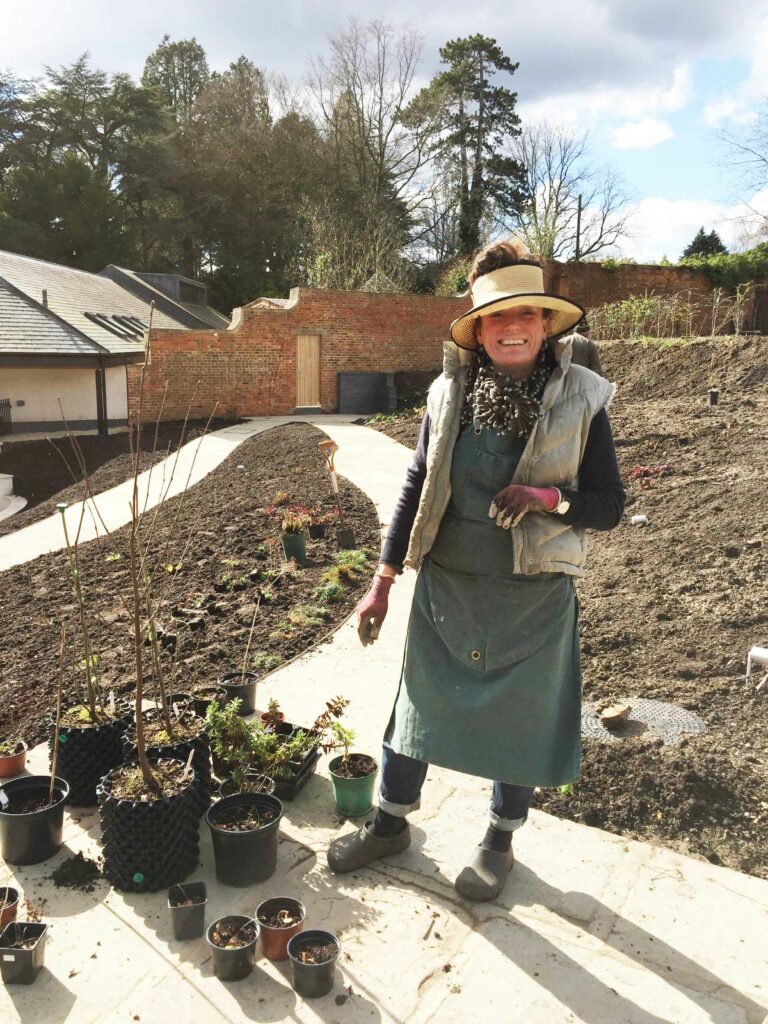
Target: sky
[[654, 82]]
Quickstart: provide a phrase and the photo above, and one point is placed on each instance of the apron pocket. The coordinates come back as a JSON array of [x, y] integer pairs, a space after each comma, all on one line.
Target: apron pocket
[[491, 622]]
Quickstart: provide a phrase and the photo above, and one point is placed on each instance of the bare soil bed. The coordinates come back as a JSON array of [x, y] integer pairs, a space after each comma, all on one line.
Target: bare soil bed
[[234, 545], [43, 469], [669, 611]]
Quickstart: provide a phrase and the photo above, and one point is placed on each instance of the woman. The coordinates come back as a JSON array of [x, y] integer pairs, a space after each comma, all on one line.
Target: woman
[[515, 461]]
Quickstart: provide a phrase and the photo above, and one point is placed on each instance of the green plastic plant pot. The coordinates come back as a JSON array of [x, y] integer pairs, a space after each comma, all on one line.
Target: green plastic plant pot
[[295, 546], [353, 797]]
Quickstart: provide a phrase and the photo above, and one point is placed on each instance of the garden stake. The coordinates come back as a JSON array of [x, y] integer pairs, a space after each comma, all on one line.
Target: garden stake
[[55, 755]]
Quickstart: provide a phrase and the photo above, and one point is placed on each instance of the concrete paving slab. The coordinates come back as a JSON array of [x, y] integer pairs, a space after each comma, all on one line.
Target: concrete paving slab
[[592, 927]]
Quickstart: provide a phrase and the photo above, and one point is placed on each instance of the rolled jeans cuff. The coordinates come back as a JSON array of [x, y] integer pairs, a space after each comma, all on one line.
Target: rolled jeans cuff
[[397, 810], [506, 824]]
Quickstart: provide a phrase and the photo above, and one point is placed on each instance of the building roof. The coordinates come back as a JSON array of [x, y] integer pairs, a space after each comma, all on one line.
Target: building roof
[[64, 311], [25, 328], [193, 315]]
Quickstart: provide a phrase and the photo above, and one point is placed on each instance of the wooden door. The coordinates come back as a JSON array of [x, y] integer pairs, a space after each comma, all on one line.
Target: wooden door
[[308, 371]]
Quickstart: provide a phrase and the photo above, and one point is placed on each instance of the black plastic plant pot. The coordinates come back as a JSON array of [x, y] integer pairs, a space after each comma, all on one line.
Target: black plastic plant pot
[[201, 759], [187, 906], [31, 836], [22, 951], [261, 784], [288, 788], [236, 962], [312, 980], [242, 685], [149, 844], [345, 539], [204, 695], [86, 754], [245, 857]]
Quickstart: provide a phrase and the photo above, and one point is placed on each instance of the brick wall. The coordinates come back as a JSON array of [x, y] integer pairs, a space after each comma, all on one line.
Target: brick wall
[[250, 369], [593, 285]]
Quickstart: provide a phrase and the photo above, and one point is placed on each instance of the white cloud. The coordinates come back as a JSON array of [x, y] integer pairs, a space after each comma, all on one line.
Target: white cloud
[[643, 134], [663, 227], [738, 104]]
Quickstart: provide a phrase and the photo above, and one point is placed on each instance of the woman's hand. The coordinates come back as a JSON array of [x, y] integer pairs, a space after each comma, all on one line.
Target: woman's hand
[[372, 610], [510, 505]]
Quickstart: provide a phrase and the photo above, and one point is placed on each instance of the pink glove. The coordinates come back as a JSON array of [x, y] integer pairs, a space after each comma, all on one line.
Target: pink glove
[[372, 610], [510, 505]]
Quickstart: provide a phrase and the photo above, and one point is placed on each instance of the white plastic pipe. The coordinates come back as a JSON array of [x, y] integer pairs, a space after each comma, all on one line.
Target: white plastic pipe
[[757, 656]]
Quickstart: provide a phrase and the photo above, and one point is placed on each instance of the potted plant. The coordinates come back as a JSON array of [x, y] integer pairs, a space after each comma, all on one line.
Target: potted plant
[[244, 829], [313, 956], [9, 905], [13, 757], [150, 808], [90, 727], [233, 946], [353, 775], [294, 538], [279, 919], [187, 906], [22, 951], [32, 818], [32, 806], [203, 694], [240, 686], [318, 524], [247, 780]]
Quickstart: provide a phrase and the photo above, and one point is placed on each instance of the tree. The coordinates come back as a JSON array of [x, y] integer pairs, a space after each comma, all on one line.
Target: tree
[[178, 72], [566, 195], [469, 119], [70, 147], [360, 93], [705, 244]]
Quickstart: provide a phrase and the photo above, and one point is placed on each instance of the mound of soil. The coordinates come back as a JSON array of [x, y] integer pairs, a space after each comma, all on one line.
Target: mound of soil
[[78, 872], [669, 611], [43, 470], [220, 529]]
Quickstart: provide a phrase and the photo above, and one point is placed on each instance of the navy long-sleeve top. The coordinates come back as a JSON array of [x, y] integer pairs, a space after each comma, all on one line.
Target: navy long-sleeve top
[[598, 504]]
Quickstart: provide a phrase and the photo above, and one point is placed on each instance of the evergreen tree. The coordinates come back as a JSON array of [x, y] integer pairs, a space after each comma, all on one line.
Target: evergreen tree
[[705, 244], [470, 119]]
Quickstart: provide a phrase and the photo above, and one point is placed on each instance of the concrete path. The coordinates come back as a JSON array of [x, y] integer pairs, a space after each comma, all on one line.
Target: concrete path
[[591, 928], [111, 509]]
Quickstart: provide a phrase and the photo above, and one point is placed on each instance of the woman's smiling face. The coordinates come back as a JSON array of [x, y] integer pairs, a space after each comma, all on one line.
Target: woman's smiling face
[[512, 338]]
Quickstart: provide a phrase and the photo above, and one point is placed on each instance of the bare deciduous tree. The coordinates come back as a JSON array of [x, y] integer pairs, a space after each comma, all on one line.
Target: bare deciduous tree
[[557, 172], [360, 91]]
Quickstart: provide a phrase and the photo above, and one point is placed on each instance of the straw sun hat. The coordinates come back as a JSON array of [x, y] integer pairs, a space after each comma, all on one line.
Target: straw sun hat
[[519, 285]]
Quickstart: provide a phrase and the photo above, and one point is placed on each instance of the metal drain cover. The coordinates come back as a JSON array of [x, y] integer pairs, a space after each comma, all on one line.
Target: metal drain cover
[[653, 719]]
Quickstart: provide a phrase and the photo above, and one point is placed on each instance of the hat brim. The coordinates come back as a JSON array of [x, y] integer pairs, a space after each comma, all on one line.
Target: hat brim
[[565, 315]]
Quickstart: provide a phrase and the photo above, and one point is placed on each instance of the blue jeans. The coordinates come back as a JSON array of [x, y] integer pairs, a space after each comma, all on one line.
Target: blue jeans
[[400, 789]]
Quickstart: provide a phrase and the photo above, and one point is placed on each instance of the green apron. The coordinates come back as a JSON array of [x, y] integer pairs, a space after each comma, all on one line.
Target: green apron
[[491, 678]]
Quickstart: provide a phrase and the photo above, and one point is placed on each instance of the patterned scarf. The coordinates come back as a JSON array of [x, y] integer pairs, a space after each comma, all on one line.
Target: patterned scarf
[[496, 400]]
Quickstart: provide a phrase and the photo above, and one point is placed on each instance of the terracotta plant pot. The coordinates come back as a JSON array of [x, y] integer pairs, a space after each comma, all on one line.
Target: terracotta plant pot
[[9, 905], [275, 937], [13, 764]]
